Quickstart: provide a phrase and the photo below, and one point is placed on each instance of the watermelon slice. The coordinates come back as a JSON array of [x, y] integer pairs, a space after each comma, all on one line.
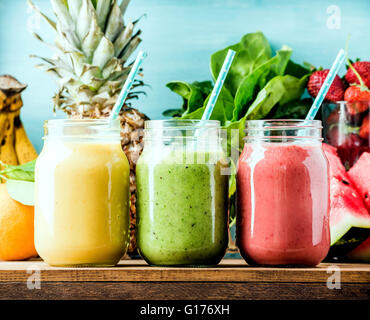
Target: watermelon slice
[[347, 209], [361, 253], [360, 176]]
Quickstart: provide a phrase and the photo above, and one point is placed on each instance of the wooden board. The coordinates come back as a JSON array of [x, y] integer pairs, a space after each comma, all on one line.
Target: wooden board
[[134, 279]]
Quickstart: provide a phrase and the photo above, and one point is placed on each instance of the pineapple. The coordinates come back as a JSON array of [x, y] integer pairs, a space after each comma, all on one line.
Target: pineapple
[[92, 47]]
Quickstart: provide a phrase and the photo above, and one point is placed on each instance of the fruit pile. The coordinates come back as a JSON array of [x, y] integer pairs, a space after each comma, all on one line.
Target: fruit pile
[[16, 219], [346, 114], [346, 120]]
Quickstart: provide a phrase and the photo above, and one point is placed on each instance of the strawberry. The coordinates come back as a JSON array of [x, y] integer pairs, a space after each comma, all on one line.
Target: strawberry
[[317, 79], [364, 130], [356, 111], [356, 93], [363, 69]]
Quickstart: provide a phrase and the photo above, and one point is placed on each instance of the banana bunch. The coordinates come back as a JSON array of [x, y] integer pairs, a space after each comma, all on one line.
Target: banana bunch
[[15, 147]]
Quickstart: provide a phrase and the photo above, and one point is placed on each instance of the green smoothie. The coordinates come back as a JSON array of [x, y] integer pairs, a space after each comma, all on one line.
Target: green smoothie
[[182, 208]]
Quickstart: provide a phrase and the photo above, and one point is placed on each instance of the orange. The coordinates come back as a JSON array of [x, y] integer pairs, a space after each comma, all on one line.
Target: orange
[[16, 228]]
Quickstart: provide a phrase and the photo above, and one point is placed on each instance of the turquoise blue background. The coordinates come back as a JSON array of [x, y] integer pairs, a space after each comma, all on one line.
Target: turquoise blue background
[[180, 36]]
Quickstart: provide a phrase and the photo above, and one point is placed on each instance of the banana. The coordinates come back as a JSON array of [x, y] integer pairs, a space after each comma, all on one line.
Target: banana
[[15, 147], [23, 146], [2, 100], [13, 103], [7, 149], [3, 121]]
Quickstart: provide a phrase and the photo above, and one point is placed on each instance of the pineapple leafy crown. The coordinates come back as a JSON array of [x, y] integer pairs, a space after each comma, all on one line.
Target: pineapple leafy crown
[[91, 50]]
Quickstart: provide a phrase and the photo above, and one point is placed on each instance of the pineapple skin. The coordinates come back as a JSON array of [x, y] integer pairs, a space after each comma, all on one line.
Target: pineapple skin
[[132, 122]]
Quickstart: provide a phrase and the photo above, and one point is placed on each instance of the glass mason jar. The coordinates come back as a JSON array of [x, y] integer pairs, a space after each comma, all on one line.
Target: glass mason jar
[[283, 194], [82, 194], [182, 194]]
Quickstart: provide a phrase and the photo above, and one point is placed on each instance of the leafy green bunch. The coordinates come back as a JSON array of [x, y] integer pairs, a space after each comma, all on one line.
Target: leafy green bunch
[[258, 86]]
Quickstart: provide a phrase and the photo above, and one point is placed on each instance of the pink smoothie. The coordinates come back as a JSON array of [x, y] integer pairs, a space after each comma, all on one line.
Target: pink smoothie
[[283, 204]]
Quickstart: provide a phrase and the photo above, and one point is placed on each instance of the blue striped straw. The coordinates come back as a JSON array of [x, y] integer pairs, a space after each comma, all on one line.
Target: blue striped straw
[[218, 86], [326, 85], [127, 86]]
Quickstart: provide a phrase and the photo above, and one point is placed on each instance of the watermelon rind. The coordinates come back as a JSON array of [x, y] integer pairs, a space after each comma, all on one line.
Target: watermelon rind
[[361, 253], [348, 243], [339, 230]]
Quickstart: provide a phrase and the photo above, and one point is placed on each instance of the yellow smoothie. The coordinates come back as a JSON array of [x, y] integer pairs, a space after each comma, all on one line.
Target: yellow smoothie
[[82, 203]]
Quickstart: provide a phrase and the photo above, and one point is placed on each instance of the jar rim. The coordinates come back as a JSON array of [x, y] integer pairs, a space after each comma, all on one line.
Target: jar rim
[[83, 122], [90, 129], [283, 130], [281, 124], [183, 124]]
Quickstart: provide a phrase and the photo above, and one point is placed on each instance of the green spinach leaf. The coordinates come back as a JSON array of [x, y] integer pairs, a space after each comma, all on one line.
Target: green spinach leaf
[[296, 70], [257, 79], [281, 89], [283, 57], [193, 95], [252, 51], [294, 110], [223, 110]]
